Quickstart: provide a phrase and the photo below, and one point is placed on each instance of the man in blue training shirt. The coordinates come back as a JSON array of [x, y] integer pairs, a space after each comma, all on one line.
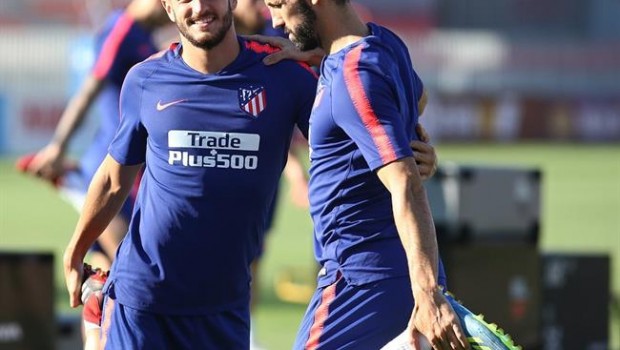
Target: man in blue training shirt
[[374, 234], [212, 125]]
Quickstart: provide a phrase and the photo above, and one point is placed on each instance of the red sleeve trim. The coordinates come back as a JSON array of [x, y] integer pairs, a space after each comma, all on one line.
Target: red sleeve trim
[[364, 108], [111, 46]]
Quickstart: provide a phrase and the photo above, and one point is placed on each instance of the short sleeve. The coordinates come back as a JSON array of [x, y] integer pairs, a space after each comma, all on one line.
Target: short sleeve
[[112, 48], [368, 111], [307, 82], [129, 145]]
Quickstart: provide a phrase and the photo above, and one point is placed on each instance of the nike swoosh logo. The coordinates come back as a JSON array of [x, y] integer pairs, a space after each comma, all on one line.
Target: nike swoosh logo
[[160, 107]]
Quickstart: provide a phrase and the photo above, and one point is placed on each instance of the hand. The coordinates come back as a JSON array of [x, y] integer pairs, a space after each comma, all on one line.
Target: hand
[[48, 163], [74, 272], [288, 50], [422, 133], [424, 154], [425, 157], [434, 318]]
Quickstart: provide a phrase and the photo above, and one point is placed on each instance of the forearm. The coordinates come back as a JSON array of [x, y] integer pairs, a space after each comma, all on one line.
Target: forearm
[[432, 316], [414, 222], [417, 233], [106, 195], [75, 112]]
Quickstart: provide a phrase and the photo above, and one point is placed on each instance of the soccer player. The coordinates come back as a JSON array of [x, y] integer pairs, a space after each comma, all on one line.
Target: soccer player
[[125, 39], [374, 234], [212, 125]]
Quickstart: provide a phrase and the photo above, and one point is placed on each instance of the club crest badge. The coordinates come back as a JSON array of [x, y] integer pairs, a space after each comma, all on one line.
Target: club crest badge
[[253, 100]]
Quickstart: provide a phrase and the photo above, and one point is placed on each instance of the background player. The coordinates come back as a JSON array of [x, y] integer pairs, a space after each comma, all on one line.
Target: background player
[[126, 38], [367, 201]]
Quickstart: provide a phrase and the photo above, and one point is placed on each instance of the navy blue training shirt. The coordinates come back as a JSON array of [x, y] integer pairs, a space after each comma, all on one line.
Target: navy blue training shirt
[[364, 117], [214, 146]]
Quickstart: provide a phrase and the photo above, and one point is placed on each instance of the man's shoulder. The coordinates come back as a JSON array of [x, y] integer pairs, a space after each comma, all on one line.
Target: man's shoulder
[[147, 67], [370, 54]]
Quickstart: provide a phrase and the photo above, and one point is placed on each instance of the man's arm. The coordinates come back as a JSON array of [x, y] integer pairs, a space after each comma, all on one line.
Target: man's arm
[[296, 175], [48, 162], [432, 315], [106, 194], [288, 51]]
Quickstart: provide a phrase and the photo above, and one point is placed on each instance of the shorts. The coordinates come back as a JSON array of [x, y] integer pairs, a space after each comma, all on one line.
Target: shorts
[[343, 316], [127, 328]]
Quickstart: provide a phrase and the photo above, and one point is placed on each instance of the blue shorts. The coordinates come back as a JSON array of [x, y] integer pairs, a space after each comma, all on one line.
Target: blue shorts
[[342, 316], [127, 328]]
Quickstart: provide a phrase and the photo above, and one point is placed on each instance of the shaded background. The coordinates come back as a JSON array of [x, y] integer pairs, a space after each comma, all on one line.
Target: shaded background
[[518, 83]]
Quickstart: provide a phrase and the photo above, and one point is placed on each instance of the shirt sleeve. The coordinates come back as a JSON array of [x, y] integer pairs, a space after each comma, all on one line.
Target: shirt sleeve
[[129, 145], [367, 110], [307, 81], [110, 48]]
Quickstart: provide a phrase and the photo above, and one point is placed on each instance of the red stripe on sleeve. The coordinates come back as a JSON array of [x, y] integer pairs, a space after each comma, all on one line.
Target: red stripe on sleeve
[[320, 315], [266, 48], [308, 68], [363, 107], [111, 46]]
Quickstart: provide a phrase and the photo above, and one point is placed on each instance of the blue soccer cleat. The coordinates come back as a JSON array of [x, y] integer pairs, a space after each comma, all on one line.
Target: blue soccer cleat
[[480, 334]]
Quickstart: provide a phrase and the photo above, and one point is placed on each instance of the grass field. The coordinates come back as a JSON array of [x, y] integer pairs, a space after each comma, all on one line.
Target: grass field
[[581, 213]]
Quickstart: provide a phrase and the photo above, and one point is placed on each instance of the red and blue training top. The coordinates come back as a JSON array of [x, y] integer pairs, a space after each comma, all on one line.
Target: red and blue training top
[[214, 146], [119, 45], [364, 117]]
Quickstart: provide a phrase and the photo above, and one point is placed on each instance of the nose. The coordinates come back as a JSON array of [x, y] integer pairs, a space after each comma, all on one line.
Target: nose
[[198, 6], [276, 20]]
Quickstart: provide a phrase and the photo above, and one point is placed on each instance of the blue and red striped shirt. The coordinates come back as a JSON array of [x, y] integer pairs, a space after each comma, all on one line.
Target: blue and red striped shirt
[[363, 118], [120, 44]]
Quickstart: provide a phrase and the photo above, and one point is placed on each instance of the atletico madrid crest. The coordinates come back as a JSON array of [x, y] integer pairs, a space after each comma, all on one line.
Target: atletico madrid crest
[[252, 100]]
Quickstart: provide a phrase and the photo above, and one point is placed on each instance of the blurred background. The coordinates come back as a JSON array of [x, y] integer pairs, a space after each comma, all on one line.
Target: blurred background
[[524, 110]]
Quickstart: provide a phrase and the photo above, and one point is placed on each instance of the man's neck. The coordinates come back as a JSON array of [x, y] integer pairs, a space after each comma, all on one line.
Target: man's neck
[[209, 61], [341, 28]]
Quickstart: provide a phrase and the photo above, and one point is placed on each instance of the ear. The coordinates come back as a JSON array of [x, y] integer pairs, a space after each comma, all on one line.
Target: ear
[[233, 4], [169, 11]]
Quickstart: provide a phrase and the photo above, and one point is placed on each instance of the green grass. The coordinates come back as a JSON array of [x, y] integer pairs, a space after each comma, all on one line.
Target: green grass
[[581, 213]]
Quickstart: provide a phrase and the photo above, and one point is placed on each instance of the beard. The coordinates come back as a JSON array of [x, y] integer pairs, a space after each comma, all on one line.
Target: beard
[[304, 35], [213, 40]]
